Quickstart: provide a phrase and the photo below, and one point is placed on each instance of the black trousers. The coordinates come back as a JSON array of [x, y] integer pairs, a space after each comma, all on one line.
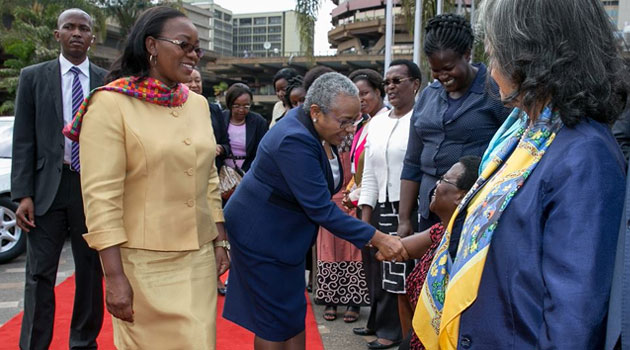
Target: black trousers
[[43, 249], [383, 318]]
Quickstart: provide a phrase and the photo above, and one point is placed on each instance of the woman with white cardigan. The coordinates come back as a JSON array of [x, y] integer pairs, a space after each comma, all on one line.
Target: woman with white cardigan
[[384, 155]]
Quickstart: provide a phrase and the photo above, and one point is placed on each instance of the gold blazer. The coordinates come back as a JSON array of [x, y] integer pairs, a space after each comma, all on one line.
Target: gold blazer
[[148, 174]]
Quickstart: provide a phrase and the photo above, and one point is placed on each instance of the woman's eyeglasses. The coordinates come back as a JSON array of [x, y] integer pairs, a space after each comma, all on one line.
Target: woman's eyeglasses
[[245, 107], [344, 124], [442, 179], [185, 46], [395, 81], [349, 123]]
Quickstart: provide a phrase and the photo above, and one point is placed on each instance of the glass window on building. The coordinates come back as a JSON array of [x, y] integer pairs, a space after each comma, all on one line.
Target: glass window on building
[[260, 20], [260, 30], [245, 39], [227, 17], [275, 29], [275, 20], [245, 21], [218, 14], [260, 38], [245, 30], [275, 37], [258, 47]]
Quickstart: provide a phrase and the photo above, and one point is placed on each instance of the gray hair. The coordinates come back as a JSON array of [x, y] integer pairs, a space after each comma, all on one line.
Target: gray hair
[[325, 90], [558, 50]]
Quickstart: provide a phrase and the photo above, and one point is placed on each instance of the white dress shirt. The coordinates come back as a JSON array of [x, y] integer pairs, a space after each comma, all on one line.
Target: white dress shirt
[[385, 150], [66, 94]]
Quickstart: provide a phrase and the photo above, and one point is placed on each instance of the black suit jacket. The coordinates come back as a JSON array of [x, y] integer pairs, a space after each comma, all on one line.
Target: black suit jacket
[[255, 128], [220, 131], [38, 144]]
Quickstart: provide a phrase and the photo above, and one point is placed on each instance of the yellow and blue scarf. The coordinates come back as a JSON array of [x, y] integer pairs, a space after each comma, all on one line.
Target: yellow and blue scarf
[[452, 286]]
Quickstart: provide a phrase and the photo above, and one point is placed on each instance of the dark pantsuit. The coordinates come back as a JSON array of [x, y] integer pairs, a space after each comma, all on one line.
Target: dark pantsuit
[[64, 219], [383, 318]]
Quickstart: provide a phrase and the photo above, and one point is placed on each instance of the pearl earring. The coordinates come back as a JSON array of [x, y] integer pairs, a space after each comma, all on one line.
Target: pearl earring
[[314, 120]]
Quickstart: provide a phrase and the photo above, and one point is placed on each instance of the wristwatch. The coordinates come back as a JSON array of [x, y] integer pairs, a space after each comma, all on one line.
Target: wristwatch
[[223, 244]]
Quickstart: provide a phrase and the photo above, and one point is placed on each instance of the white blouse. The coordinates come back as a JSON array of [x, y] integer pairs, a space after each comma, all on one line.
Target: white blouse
[[334, 166], [385, 150]]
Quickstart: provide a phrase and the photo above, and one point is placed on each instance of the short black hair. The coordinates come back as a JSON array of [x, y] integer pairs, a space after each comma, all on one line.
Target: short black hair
[[284, 73], [293, 83], [135, 57], [372, 77], [235, 91], [471, 172], [448, 31], [412, 68], [313, 74]]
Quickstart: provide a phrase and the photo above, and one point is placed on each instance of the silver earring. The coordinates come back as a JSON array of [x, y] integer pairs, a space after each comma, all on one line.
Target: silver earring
[[314, 120], [152, 59]]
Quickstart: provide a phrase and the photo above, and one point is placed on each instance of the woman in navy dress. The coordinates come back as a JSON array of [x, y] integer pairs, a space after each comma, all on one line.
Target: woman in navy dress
[[273, 217]]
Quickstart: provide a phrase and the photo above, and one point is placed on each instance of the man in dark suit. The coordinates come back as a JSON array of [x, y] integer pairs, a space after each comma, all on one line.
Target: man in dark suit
[[46, 182]]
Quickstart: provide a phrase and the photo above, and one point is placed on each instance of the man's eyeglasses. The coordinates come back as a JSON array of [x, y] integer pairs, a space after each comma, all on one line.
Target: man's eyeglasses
[[442, 179], [245, 107], [395, 81], [185, 46]]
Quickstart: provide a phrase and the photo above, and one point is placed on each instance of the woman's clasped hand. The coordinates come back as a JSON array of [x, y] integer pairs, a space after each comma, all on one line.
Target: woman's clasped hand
[[390, 247]]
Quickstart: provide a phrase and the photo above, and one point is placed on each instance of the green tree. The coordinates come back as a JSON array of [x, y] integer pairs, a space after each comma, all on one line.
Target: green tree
[[125, 12], [307, 11], [26, 38]]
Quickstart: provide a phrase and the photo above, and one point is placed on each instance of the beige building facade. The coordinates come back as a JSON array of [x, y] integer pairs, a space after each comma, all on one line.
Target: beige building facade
[[267, 34]]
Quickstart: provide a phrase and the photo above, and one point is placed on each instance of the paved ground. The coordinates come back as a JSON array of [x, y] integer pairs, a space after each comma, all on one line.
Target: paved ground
[[336, 335], [12, 282]]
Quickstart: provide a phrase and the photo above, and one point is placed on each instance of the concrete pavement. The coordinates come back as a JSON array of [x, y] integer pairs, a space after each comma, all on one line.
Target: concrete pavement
[[12, 282]]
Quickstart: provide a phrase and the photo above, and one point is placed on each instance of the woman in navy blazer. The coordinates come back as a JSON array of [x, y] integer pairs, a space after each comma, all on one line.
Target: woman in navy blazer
[[238, 100], [546, 279], [273, 216]]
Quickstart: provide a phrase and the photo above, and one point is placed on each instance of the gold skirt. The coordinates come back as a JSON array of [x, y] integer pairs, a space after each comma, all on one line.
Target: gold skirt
[[174, 300]]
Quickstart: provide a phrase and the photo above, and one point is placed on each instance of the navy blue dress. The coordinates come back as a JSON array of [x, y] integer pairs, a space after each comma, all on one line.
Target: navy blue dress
[[272, 219]]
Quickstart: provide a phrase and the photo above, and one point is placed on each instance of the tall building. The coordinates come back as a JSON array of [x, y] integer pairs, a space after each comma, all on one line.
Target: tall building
[[359, 27], [214, 20], [612, 8], [623, 13], [619, 12], [267, 34], [201, 18]]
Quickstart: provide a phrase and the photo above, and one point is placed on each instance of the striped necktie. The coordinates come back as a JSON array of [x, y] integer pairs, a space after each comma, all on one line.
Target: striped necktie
[[77, 99]]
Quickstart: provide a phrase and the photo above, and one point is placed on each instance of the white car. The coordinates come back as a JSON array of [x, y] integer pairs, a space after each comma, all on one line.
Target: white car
[[12, 241]]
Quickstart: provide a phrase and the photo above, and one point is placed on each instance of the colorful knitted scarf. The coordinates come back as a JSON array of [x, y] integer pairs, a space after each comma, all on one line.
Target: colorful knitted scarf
[[452, 286], [145, 89]]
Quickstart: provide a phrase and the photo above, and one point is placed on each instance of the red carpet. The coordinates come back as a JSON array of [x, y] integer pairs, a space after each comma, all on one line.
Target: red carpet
[[229, 335]]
